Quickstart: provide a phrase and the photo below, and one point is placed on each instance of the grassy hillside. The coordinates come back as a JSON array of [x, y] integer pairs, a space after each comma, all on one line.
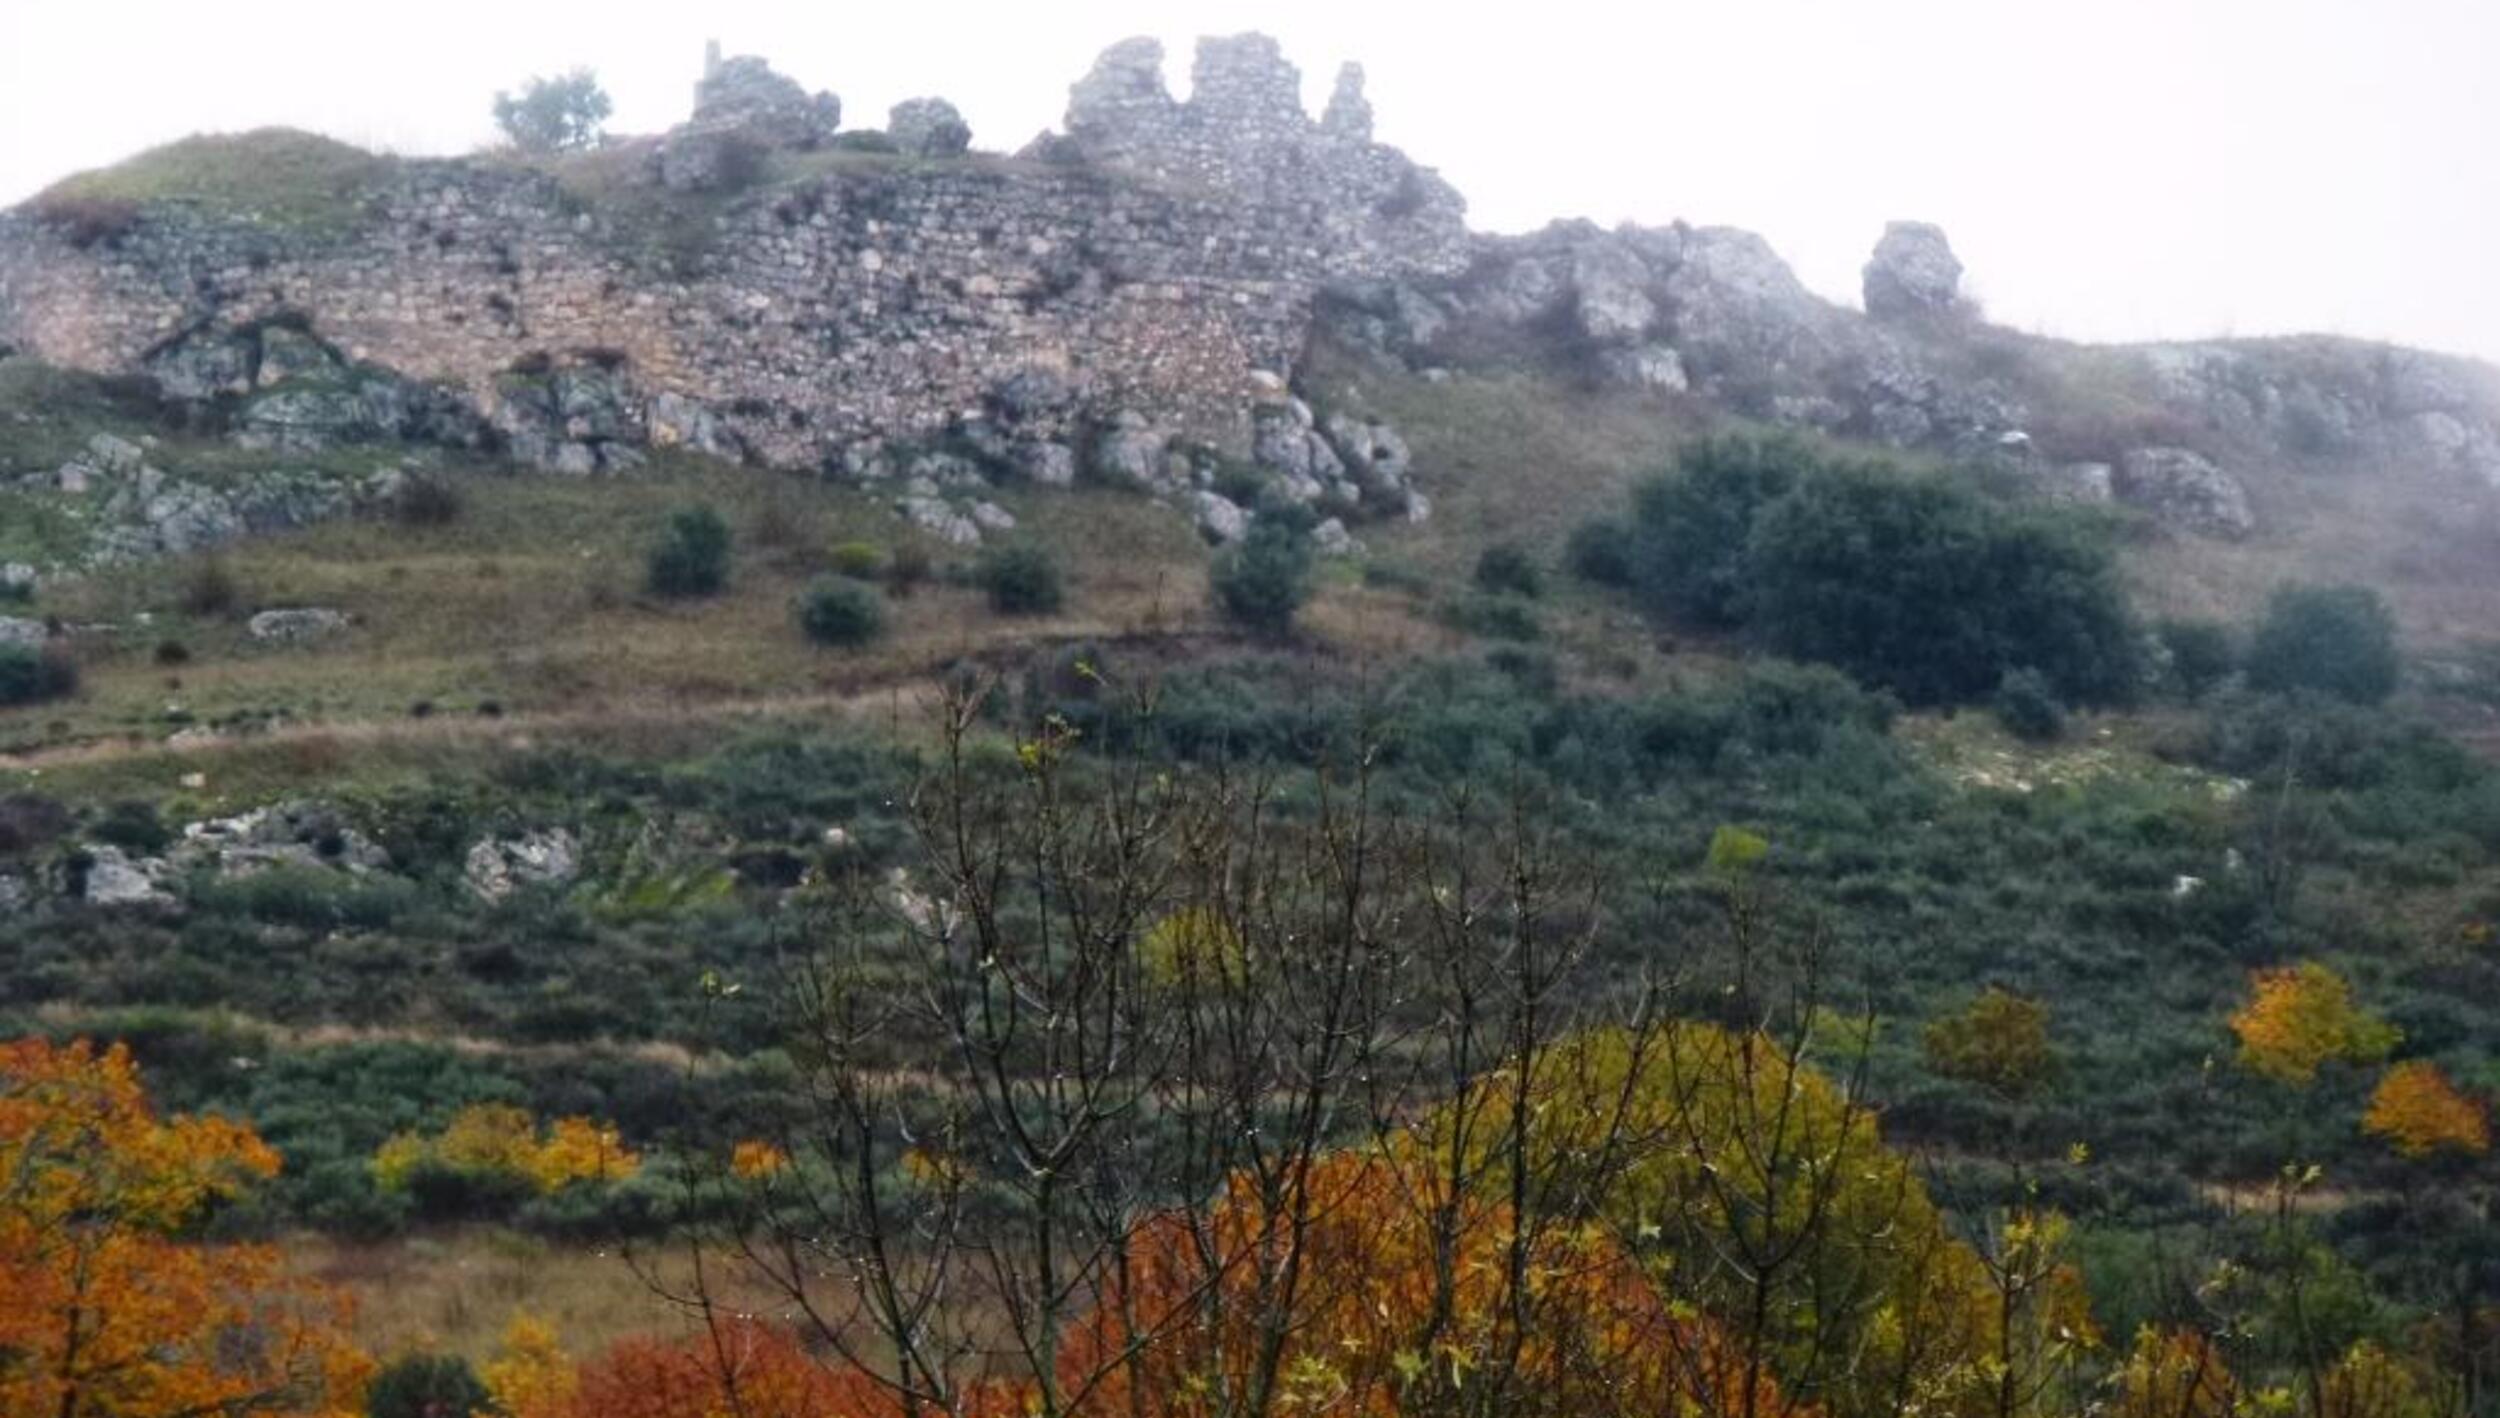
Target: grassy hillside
[[506, 670]]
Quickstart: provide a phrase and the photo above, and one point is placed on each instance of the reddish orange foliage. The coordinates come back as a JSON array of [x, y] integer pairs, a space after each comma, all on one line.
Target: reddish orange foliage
[[1371, 1333], [2419, 1112], [102, 1311], [745, 1368]]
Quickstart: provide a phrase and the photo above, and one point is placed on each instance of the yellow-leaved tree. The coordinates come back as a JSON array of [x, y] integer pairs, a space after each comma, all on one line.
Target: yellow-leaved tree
[[2299, 1018], [106, 1308], [498, 1140]]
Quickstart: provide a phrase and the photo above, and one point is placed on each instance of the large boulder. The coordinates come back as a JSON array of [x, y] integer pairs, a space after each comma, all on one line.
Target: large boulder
[[2183, 489], [1913, 275], [297, 625], [928, 128], [17, 632]]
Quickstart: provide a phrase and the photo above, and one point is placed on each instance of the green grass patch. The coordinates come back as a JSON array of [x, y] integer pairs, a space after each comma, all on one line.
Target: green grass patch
[[280, 177]]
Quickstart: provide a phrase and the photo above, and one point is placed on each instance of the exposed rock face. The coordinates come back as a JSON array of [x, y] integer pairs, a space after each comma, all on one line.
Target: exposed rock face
[[499, 866], [1913, 274], [297, 626], [20, 633], [300, 835], [1130, 300], [113, 878], [1165, 253], [928, 128], [2184, 490]]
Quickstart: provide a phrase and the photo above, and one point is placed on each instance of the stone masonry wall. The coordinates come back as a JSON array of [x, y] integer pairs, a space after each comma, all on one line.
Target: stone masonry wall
[[1161, 262]]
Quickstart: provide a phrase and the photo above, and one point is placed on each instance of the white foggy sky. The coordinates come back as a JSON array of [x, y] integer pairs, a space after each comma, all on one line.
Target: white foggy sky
[[2107, 169]]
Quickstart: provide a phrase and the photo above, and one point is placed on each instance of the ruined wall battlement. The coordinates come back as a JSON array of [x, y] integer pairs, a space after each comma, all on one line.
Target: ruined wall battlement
[[1157, 262]]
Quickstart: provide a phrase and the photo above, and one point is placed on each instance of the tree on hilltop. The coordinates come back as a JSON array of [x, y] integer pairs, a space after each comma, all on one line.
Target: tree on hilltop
[[561, 114]]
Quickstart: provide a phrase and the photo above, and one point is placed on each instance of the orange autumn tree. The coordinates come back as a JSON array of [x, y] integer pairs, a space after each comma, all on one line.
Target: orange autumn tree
[[1335, 1309], [729, 1368], [2417, 1111], [106, 1309], [2301, 1017]]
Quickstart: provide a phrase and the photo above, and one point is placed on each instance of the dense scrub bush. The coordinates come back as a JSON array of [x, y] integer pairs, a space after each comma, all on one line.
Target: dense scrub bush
[[1600, 551], [1506, 569], [1497, 617], [2027, 706], [428, 501], [32, 676], [1922, 585], [427, 1386], [1690, 528], [2337, 640], [691, 558], [1022, 579], [836, 610], [210, 589], [2201, 654], [1263, 581]]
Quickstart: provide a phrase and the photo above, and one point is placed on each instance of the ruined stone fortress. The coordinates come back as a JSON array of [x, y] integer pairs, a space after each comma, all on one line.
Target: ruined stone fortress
[[1130, 298], [1150, 272]]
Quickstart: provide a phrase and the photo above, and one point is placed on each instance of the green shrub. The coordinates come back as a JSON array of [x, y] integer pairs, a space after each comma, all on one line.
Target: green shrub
[[1924, 587], [861, 561], [1262, 581], [426, 501], [1690, 528], [210, 589], [427, 1386], [2028, 707], [1022, 579], [837, 610], [691, 557], [1497, 617], [1506, 569], [1600, 551], [32, 676], [2335, 640], [2201, 654], [133, 824]]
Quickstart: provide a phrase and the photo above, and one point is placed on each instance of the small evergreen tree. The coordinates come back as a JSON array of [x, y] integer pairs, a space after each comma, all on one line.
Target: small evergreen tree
[[2336, 640], [1022, 580], [555, 115], [428, 1386], [1600, 551], [1506, 569], [691, 557], [31, 676], [2201, 654], [837, 610], [2027, 706], [1263, 581]]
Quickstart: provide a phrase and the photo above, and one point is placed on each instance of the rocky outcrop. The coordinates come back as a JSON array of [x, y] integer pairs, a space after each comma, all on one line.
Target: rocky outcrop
[[1913, 275], [2185, 491], [297, 626], [928, 128], [497, 867]]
